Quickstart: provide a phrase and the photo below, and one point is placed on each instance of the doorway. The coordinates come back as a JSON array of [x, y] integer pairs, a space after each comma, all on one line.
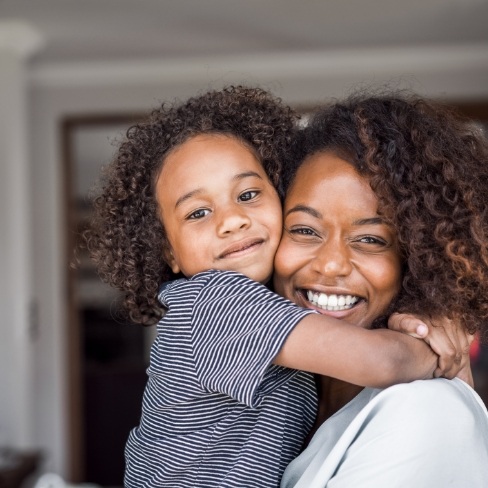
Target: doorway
[[107, 356]]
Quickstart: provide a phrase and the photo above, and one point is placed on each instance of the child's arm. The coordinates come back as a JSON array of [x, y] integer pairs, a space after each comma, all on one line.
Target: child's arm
[[447, 338], [375, 358]]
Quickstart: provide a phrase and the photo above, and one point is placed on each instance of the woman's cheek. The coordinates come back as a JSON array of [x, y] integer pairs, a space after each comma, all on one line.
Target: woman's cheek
[[287, 263], [384, 278]]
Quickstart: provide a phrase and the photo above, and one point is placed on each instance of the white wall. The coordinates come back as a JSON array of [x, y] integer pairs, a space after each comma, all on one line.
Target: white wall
[[56, 91], [15, 255], [17, 43]]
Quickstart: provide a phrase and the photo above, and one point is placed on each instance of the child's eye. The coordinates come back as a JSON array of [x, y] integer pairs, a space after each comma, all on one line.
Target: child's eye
[[198, 214], [248, 195]]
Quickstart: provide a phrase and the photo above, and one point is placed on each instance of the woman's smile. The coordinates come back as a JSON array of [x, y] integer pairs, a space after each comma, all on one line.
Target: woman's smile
[[332, 302], [339, 304], [337, 255]]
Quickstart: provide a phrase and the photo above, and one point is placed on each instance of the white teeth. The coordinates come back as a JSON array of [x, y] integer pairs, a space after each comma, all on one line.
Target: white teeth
[[332, 302], [322, 300]]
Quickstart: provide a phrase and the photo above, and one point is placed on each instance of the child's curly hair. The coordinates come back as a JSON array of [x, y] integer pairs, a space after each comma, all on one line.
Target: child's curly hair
[[429, 169], [126, 236]]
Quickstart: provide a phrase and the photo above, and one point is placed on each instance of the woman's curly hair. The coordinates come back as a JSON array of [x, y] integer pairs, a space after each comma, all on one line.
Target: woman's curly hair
[[126, 236], [429, 169]]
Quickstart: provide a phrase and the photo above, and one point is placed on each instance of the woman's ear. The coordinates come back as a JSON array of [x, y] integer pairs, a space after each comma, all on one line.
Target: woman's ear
[[170, 259]]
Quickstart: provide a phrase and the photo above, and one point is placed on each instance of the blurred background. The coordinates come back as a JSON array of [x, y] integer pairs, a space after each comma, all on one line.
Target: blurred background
[[73, 76]]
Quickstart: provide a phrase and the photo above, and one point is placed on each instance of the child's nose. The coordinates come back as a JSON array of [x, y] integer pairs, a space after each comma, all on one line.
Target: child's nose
[[232, 220]]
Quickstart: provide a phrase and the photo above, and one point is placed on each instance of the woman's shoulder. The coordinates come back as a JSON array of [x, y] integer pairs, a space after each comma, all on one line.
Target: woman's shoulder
[[435, 391], [427, 419], [410, 432], [433, 405]]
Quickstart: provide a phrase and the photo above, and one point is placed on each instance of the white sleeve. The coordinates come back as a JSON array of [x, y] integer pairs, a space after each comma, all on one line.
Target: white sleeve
[[423, 434]]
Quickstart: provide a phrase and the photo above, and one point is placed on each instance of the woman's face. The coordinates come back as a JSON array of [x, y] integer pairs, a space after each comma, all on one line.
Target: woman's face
[[337, 255]]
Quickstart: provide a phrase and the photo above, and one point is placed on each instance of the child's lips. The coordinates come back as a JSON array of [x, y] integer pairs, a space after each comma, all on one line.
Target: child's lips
[[240, 248]]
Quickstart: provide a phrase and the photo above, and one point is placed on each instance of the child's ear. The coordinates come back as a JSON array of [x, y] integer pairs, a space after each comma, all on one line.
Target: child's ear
[[170, 259]]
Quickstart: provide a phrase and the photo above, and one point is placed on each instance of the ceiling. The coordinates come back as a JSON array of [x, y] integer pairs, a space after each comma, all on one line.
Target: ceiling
[[97, 30]]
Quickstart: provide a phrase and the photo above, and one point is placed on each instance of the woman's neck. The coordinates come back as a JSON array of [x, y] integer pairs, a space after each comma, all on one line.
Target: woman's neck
[[332, 394]]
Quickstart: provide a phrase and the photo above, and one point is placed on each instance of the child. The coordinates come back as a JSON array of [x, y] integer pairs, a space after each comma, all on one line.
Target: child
[[193, 192]]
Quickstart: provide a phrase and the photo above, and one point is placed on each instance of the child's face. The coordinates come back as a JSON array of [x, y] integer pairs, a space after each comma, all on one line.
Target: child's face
[[218, 208]]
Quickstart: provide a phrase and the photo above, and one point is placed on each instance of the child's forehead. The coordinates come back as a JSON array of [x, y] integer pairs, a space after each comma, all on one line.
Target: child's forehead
[[201, 151], [215, 139], [209, 166]]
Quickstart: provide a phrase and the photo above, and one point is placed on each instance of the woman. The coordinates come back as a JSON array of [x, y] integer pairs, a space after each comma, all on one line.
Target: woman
[[387, 210]]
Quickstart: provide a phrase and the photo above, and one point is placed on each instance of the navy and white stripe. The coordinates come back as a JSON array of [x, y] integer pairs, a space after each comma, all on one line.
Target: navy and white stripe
[[216, 412]]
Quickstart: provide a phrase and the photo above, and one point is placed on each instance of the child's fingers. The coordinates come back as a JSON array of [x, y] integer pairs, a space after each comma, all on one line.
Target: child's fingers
[[449, 357], [447, 338], [453, 360], [438, 373], [408, 324]]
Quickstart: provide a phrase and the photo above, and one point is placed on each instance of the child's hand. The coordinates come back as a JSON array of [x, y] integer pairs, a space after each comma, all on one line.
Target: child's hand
[[447, 338]]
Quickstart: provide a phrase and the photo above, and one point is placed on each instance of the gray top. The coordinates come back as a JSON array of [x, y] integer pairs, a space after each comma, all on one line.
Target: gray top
[[425, 434]]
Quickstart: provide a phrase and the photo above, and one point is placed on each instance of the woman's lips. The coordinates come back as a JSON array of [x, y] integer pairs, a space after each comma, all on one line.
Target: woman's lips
[[331, 302], [246, 246]]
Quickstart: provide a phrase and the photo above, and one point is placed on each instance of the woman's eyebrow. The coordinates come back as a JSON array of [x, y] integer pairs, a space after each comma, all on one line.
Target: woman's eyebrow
[[369, 221], [303, 208], [314, 213]]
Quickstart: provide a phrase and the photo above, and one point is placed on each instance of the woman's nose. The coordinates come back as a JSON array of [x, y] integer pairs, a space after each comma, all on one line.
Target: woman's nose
[[333, 259], [232, 219]]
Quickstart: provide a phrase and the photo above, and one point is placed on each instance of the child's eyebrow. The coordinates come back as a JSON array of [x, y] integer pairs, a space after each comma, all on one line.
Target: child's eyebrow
[[240, 176], [187, 196], [247, 174]]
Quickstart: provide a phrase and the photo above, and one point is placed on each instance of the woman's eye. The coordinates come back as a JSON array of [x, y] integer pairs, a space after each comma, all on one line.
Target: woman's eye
[[248, 195], [198, 214], [372, 240], [304, 231]]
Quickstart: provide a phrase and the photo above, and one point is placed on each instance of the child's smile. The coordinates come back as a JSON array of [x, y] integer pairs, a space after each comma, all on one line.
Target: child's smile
[[241, 248], [218, 208]]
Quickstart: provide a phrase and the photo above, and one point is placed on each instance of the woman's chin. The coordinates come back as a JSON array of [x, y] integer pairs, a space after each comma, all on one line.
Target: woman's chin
[[354, 315]]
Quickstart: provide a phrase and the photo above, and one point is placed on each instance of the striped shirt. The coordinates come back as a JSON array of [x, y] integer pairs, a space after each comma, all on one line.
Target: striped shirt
[[216, 412]]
